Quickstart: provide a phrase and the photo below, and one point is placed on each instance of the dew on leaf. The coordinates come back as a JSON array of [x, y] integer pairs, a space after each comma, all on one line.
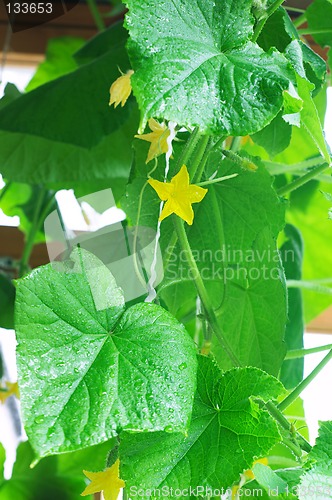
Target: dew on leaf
[[40, 419]]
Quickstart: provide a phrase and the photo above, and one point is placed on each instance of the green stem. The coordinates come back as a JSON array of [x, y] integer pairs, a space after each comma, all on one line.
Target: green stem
[[293, 446], [304, 384], [281, 168], [294, 9], [188, 149], [218, 144], [300, 20], [187, 152], [236, 143], [308, 31], [310, 285], [302, 180], [300, 353], [96, 15], [261, 22], [170, 249], [202, 292], [199, 154], [219, 179], [183, 159], [282, 420], [202, 164]]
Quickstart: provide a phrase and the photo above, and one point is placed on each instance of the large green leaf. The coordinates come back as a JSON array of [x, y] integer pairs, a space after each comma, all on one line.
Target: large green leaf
[[275, 137], [278, 31], [292, 258], [58, 60], [318, 480], [113, 37], [53, 477], [40, 145], [194, 64], [319, 16], [88, 368], [228, 430]]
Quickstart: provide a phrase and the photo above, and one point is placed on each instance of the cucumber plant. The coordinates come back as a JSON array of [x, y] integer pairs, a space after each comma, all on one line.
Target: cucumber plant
[[213, 140]]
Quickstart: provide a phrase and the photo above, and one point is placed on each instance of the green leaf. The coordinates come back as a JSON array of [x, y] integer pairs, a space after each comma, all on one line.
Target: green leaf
[[328, 196], [319, 17], [92, 459], [111, 38], [301, 146], [314, 65], [53, 478], [227, 432], [318, 479], [37, 483], [201, 68], [268, 479], [58, 60], [39, 146], [278, 31], [88, 368], [310, 119], [292, 102], [275, 137], [18, 199], [233, 240], [11, 93], [292, 258], [7, 298], [322, 451], [308, 212], [285, 483]]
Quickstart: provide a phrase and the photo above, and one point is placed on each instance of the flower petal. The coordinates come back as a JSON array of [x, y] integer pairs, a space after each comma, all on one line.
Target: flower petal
[[167, 210], [121, 89], [181, 179], [196, 193], [163, 189]]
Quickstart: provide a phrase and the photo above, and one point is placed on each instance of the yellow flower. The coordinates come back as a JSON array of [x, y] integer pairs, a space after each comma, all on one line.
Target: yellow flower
[[121, 89], [11, 390], [179, 195], [235, 490], [158, 138], [107, 481]]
